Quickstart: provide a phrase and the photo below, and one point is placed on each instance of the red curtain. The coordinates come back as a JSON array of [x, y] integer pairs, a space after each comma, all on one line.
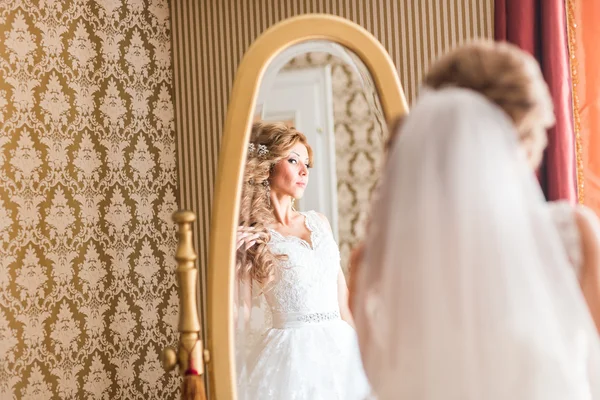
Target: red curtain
[[540, 27]]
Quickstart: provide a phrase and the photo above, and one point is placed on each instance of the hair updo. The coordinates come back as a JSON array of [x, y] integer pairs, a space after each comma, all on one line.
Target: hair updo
[[507, 76]]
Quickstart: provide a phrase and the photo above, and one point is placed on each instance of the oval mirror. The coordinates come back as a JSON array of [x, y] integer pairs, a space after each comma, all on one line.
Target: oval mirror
[[302, 146]]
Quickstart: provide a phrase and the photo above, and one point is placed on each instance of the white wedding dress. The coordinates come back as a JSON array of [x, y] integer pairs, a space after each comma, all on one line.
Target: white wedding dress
[[308, 352]]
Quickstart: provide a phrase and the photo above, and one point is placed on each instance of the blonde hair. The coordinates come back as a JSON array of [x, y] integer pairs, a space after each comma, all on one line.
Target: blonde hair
[[258, 263], [507, 76]]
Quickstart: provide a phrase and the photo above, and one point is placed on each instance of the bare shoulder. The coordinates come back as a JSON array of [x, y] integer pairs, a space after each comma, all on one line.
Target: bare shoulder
[[588, 224], [587, 220]]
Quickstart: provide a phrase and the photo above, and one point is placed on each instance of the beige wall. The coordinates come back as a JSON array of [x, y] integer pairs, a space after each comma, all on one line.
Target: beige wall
[[211, 36], [88, 183]]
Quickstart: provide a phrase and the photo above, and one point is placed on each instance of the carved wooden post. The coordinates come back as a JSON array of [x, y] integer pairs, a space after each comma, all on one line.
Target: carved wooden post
[[190, 353]]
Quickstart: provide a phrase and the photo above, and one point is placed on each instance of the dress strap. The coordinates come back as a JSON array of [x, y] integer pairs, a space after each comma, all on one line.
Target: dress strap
[[313, 222]]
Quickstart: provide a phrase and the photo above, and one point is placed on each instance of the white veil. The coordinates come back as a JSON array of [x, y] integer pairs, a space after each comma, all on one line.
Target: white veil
[[465, 291]]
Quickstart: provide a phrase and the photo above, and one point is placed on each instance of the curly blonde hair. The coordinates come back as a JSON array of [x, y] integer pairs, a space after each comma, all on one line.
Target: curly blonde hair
[[259, 263], [508, 77]]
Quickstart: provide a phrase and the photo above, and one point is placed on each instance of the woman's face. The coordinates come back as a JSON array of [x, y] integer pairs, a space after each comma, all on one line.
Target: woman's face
[[290, 174]]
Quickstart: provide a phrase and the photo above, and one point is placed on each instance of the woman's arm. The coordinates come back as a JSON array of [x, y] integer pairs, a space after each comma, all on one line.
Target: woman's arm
[[589, 227], [353, 268], [343, 299], [342, 288]]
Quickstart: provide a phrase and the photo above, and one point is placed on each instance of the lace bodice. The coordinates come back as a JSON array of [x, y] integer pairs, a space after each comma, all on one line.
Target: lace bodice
[[307, 281], [564, 217]]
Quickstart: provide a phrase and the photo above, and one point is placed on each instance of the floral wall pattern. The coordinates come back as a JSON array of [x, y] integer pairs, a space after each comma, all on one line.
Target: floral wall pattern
[[88, 184], [359, 139]]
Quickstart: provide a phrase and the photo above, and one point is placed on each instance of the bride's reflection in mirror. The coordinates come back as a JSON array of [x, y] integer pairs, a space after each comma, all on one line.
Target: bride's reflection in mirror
[[295, 334]]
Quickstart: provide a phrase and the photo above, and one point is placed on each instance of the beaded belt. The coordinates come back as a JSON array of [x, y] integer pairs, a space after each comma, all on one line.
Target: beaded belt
[[294, 320]]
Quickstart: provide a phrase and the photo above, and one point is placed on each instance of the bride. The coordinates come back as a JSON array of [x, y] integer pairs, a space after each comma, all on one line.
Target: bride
[[308, 349], [466, 290]]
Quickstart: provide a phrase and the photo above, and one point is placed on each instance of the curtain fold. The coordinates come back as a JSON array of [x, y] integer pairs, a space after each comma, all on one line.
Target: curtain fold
[[540, 27]]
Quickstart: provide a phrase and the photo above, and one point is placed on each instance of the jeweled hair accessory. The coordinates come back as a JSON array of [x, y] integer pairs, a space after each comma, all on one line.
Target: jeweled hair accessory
[[261, 150]]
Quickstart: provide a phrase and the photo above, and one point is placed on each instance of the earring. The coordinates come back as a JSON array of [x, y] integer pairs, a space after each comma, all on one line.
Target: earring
[[293, 200]]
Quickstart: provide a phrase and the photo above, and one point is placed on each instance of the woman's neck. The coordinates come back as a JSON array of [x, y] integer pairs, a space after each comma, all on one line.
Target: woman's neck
[[282, 209]]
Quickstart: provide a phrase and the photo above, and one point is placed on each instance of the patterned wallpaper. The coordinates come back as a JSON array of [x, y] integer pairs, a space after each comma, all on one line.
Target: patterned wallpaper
[[358, 146], [87, 188]]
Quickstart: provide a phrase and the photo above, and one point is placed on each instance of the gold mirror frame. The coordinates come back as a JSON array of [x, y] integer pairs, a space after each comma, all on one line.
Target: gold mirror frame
[[220, 329]]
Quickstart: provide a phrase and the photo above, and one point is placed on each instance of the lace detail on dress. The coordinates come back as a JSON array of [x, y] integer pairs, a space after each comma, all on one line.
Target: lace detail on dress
[[307, 280], [563, 216], [313, 223], [292, 238]]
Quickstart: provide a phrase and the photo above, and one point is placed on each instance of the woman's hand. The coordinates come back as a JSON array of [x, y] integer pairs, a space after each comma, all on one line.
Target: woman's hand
[[246, 237]]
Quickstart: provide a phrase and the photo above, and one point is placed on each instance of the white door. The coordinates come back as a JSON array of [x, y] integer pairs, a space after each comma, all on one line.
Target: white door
[[304, 99]]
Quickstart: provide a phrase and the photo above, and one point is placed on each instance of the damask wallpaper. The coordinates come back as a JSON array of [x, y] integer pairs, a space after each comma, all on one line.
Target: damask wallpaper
[[358, 146], [87, 188]]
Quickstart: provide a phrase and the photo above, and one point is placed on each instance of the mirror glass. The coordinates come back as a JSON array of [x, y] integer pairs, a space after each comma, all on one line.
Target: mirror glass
[[311, 170]]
